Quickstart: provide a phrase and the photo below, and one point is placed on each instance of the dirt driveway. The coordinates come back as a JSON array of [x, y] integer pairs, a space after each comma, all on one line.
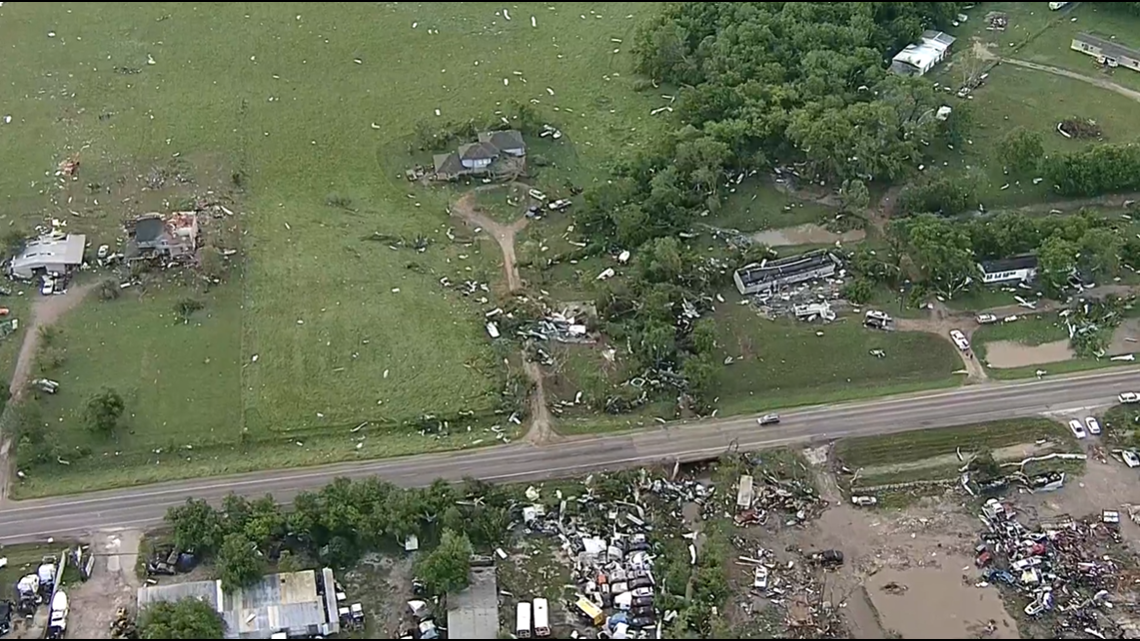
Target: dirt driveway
[[45, 311]]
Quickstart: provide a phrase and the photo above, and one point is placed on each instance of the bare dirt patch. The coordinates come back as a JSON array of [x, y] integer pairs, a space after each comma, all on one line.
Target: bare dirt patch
[[113, 584], [1010, 354], [1126, 338], [806, 234], [936, 602]]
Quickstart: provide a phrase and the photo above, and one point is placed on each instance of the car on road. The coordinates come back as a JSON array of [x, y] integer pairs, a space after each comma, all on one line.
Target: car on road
[[960, 339], [1078, 429], [1093, 425], [1131, 459], [768, 419], [1129, 397]]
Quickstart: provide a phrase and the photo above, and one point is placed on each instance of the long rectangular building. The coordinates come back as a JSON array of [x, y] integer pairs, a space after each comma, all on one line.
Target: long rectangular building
[[774, 275]]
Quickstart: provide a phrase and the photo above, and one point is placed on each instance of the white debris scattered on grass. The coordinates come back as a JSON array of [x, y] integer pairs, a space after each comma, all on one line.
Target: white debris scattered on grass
[[7, 119], [385, 373], [506, 14], [506, 81], [358, 61], [149, 59], [395, 290], [51, 34], [550, 91], [533, 22], [253, 359], [437, 112], [415, 24], [375, 126]]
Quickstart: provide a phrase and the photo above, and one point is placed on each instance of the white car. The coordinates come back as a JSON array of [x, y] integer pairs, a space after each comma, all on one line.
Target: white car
[[1129, 397], [1078, 429], [48, 287], [560, 204], [1093, 425], [864, 500], [768, 419], [960, 339], [1130, 458], [985, 319]]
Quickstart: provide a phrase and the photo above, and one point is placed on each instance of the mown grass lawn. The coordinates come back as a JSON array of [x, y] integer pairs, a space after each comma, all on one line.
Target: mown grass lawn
[[784, 363], [904, 447], [756, 204], [314, 109], [1111, 24]]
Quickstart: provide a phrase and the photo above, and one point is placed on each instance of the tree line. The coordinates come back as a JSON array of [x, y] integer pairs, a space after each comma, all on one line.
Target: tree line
[[944, 253]]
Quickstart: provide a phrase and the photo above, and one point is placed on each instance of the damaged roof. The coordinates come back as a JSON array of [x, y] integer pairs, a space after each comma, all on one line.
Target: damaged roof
[[478, 151], [509, 139], [447, 163], [783, 267], [1108, 47], [1026, 261]]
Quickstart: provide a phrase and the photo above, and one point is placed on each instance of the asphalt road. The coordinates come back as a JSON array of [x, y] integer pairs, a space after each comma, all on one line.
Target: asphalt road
[[142, 507]]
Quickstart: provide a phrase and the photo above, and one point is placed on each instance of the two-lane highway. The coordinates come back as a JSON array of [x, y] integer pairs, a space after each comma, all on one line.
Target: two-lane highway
[[145, 506]]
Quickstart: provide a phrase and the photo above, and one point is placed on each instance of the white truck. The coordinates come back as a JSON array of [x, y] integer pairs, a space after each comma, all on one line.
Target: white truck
[[57, 620], [541, 618], [522, 620]]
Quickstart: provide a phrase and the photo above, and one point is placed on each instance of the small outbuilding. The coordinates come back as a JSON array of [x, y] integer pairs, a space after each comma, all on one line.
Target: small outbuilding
[[1018, 269]]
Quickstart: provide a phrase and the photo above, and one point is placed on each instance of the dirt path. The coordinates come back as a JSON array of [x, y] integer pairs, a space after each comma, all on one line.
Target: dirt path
[[541, 430], [941, 321], [45, 311], [983, 52]]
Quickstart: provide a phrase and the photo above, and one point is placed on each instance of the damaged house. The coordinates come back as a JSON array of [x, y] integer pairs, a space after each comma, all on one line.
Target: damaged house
[[494, 153], [174, 236], [1018, 269], [773, 275], [1106, 52], [49, 255], [919, 58]]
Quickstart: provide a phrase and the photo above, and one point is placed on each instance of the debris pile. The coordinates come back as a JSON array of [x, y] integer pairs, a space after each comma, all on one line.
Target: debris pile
[[798, 588], [996, 21], [797, 501], [1062, 567], [123, 626], [1080, 128], [168, 560]]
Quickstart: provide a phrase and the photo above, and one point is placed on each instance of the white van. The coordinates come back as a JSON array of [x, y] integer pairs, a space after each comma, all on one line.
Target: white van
[[522, 620]]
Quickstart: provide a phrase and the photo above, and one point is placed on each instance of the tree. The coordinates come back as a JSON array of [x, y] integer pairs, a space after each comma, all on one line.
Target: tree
[[941, 250], [238, 563], [14, 241], [699, 371], [1095, 170], [859, 291], [854, 195], [1021, 151], [184, 619], [196, 526], [1057, 258], [984, 465], [941, 195], [104, 411], [446, 568]]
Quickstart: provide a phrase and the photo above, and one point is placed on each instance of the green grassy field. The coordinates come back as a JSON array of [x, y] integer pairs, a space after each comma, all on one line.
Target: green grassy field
[[755, 205], [869, 451], [784, 363], [1115, 25], [314, 111]]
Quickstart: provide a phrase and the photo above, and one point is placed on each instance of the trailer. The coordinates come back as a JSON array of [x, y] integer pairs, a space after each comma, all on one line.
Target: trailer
[[522, 620], [541, 618], [57, 620]]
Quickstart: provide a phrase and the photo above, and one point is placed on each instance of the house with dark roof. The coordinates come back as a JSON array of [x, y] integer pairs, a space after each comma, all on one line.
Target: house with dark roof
[[773, 275], [494, 152], [1017, 269], [174, 236], [1106, 52]]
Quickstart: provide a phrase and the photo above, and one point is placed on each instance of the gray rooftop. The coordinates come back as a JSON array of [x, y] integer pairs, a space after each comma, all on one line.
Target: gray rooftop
[[508, 139], [1108, 47], [278, 602], [50, 251], [776, 269], [473, 613]]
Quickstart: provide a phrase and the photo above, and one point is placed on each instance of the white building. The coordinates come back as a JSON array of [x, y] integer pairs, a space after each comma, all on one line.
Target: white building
[[917, 59], [1021, 269], [50, 255]]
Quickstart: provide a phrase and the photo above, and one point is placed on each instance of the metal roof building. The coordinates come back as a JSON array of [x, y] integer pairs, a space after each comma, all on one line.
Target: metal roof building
[[296, 603], [49, 254], [473, 613]]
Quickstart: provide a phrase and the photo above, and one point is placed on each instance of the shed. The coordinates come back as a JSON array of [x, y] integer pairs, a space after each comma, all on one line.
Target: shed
[[1107, 52], [774, 274], [49, 254]]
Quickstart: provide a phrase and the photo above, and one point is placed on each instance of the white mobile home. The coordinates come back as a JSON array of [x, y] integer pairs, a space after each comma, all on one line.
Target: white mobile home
[[919, 58]]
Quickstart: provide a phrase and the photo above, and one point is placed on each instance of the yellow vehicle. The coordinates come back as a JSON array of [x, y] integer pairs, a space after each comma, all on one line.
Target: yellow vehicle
[[590, 610]]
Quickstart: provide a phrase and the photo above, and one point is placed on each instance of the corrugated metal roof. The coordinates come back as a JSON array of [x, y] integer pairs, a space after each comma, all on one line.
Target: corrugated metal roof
[[473, 613]]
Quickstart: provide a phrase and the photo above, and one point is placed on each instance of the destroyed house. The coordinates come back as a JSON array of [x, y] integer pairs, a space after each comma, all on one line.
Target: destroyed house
[[175, 236], [918, 58], [1106, 52], [49, 255], [294, 604], [1021, 269], [473, 612], [773, 275]]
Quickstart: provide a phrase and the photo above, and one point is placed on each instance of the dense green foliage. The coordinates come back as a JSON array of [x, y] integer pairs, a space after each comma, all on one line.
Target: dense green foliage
[[1095, 170], [185, 619], [447, 567]]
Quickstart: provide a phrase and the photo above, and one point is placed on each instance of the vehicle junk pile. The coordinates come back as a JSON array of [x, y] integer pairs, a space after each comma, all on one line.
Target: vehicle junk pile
[[123, 626], [168, 560], [1062, 568], [36, 587], [608, 542], [798, 586]]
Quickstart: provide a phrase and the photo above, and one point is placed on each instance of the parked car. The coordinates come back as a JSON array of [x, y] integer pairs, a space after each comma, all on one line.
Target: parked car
[[1092, 425], [536, 194], [1078, 429], [1131, 459], [560, 204], [864, 500], [48, 287], [984, 319], [960, 339], [769, 419], [1129, 397]]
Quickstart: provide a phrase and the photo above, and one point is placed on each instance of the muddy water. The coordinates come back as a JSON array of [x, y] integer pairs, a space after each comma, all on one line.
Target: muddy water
[[1007, 354], [938, 604], [807, 234]]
